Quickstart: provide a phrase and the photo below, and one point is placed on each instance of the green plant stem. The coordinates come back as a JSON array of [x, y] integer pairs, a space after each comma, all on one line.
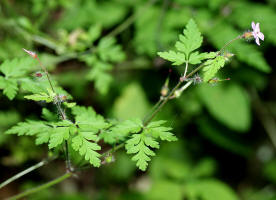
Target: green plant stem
[[228, 43], [146, 122], [185, 77], [129, 20], [42, 187], [26, 171], [153, 108], [61, 112], [186, 69]]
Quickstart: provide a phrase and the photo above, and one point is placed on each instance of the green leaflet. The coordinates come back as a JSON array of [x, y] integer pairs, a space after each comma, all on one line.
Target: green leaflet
[[40, 97], [87, 119], [141, 144], [17, 67], [86, 148], [31, 128], [120, 131], [10, 88], [58, 136], [105, 53], [189, 41], [211, 67], [138, 145], [89, 124], [13, 69]]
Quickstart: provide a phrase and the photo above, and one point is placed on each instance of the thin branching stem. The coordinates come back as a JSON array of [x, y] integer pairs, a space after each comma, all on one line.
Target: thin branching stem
[[42, 187], [154, 107], [185, 77], [61, 113], [47, 74], [228, 43], [186, 69], [26, 171]]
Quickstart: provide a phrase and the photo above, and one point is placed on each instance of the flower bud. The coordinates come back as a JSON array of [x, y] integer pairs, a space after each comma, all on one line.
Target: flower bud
[[247, 35]]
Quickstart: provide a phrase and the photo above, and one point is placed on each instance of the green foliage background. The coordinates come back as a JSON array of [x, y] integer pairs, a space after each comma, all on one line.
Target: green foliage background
[[223, 152]]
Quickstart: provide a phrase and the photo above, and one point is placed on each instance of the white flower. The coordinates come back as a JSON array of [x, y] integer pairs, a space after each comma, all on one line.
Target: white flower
[[257, 33]]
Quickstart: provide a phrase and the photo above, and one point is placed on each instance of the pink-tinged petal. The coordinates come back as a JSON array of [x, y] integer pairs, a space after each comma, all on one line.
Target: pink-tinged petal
[[253, 25], [261, 35], [33, 54], [257, 41], [254, 34], [257, 28]]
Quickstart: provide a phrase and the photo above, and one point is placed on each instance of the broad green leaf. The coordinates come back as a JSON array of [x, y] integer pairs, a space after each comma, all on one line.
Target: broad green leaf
[[223, 138], [229, 104], [165, 189], [208, 189], [132, 99]]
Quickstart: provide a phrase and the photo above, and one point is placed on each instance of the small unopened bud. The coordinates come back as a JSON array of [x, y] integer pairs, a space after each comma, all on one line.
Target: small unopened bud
[[247, 35], [31, 53], [108, 159], [63, 97], [228, 55], [165, 89], [38, 74], [60, 98]]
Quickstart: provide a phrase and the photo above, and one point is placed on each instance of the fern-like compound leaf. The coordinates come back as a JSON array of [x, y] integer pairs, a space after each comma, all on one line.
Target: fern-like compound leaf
[[211, 67], [189, 41], [86, 148], [142, 144], [120, 131]]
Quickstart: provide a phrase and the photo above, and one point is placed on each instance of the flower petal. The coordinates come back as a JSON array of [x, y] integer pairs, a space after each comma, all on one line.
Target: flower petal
[[254, 34], [257, 41], [261, 35], [257, 28], [253, 25]]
